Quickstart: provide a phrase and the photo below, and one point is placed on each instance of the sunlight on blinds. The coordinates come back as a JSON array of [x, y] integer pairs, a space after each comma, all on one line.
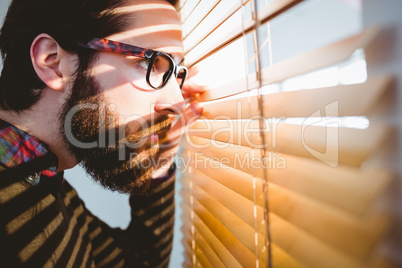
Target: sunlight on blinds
[[277, 172]]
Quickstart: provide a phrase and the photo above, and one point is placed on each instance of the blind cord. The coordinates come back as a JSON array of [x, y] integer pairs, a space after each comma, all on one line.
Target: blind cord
[[260, 103]]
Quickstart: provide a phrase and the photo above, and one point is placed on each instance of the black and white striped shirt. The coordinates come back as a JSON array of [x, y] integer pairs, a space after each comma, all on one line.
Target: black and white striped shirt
[[46, 224]]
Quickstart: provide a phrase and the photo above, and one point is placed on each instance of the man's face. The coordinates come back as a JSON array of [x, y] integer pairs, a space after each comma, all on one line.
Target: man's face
[[121, 122]]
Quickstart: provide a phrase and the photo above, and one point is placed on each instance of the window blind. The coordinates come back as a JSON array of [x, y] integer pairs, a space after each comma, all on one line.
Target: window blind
[[278, 177]]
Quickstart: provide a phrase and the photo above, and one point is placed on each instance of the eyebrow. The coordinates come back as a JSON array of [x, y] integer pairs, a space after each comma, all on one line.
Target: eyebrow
[[171, 55]]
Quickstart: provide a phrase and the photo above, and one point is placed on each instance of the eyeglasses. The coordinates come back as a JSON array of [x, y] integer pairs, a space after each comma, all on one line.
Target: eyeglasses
[[159, 66]]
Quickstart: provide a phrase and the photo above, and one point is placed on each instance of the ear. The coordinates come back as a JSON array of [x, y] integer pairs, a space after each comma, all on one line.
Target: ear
[[47, 57]]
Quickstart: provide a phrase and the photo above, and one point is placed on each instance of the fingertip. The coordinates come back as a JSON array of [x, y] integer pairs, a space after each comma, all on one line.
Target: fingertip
[[197, 107], [193, 71], [202, 88], [192, 87], [205, 88]]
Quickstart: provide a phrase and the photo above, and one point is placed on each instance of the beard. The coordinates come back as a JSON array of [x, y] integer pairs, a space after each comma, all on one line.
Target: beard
[[122, 157]]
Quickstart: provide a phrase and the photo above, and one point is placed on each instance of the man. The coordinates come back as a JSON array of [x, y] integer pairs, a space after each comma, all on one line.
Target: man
[[95, 82]]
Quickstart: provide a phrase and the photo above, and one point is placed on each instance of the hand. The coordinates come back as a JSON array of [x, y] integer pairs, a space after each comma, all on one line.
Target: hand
[[192, 112], [190, 89]]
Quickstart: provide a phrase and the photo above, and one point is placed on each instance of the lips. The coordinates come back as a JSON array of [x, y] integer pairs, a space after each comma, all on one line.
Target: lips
[[153, 138]]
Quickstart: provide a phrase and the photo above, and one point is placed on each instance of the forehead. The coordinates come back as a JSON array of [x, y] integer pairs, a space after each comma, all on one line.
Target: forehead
[[152, 24]]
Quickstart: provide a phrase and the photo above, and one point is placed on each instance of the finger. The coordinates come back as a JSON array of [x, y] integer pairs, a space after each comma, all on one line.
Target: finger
[[191, 114], [193, 71], [190, 89], [162, 167], [170, 146], [172, 117]]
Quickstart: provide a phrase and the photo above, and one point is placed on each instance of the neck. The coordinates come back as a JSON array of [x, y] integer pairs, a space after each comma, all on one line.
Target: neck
[[41, 121]]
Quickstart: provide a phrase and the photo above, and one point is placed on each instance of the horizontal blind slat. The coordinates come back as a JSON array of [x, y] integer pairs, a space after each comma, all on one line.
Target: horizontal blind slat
[[332, 145], [348, 188], [237, 204], [202, 258], [207, 208], [281, 259], [320, 58], [272, 10], [304, 248], [300, 245], [206, 27], [301, 64], [187, 8], [303, 103], [189, 261], [182, 3], [349, 233], [232, 88], [276, 8], [229, 249], [218, 250], [208, 252], [200, 11]]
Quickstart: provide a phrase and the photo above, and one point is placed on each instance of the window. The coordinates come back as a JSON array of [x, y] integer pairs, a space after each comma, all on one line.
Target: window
[[282, 171]]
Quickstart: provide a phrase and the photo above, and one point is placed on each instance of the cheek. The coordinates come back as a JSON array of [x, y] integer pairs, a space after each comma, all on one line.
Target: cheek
[[109, 77], [114, 77], [131, 103]]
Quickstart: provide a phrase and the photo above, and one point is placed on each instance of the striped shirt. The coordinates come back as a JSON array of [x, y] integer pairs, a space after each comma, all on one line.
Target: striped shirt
[[43, 222]]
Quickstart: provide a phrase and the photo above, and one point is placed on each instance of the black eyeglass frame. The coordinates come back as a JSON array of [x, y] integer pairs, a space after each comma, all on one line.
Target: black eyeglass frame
[[105, 45]]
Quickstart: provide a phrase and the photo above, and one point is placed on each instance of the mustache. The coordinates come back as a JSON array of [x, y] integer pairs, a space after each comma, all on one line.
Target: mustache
[[93, 121], [160, 126]]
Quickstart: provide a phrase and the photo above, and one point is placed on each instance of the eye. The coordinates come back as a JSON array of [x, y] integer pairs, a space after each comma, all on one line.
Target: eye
[[142, 63]]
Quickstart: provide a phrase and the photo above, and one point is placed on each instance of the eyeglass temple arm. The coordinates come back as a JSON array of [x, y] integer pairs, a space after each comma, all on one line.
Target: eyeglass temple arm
[[106, 45]]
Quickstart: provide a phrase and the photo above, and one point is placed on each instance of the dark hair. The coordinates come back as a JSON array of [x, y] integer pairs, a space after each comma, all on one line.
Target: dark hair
[[67, 21]]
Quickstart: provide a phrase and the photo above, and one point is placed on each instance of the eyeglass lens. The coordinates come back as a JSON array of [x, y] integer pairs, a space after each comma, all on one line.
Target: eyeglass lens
[[160, 71], [181, 76]]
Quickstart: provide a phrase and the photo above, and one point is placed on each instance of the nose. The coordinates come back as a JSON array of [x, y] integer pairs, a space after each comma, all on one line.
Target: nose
[[170, 99]]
